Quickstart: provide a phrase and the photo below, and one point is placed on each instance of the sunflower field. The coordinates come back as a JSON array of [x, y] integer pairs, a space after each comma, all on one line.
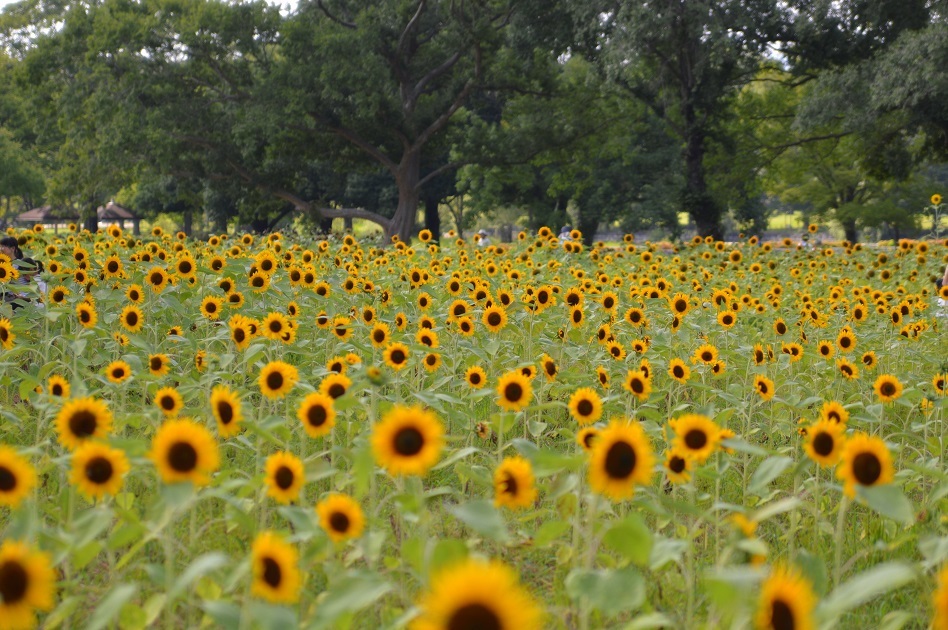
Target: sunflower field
[[261, 432]]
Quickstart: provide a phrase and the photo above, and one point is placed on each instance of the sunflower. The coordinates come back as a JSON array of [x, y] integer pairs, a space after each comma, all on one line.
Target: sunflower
[[317, 414], [475, 376], [284, 476], [494, 318], [27, 584], [727, 319], [846, 340], [638, 384], [225, 405], [58, 294], [341, 517], [335, 385], [132, 318], [576, 316], [56, 385], [274, 326], [86, 314], [118, 371], [477, 594], [240, 332], [341, 327], [465, 326], [696, 435], [17, 477], [602, 375], [786, 601], [277, 379], [865, 461], [82, 419], [678, 370], [620, 459], [379, 334], [407, 440], [869, 360], [940, 383], [706, 353], [587, 436], [847, 368], [427, 337], [184, 450], [275, 565], [169, 401], [514, 483], [887, 388], [824, 442], [432, 361], [835, 412], [678, 466], [940, 599], [759, 354], [780, 327], [514, 391], [764, 386], [396, 355], [826, 349], [585, 406], [158, 364], [98, 469]]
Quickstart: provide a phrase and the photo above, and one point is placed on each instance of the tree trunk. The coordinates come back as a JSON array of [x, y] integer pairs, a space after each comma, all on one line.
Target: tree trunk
[[432, 218], [850, 230], [588, 226], [695, 198], [406, 178], [188, 221]]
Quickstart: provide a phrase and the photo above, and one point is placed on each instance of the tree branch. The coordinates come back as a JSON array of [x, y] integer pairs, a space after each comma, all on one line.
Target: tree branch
[[405, 37], [350, 25], [428, 78], [442, 120]]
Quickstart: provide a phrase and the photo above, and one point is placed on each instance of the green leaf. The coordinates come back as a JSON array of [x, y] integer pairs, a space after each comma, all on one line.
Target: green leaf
[[225, 614], [889, 501], [632, 538], [651, 620], [109, 608], [769, 469], [665, 550], [201, 566], [446, 553], [610, 592], [777, 507], [350, 594], [866, 586], [548, 532], [483, 518], [457, 456]]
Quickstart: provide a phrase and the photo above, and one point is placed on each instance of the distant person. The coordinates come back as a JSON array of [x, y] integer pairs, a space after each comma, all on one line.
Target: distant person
[[564, 233], [29, 277], [484, 240], [11, 247]]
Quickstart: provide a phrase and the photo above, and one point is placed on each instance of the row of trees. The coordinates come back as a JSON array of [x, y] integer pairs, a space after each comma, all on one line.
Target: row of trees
[[617, 111]]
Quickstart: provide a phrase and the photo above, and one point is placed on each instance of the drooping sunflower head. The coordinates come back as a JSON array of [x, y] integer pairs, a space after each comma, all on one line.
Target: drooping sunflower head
[[341, 517], [17, 477], [514, 391], [27, 584], [764, 387], [82, 419], [408, 440], [284, 477], [225, 405], [478, 595], [184, 450], [786, 602], [586, 437], [696, 435], [585, 406], [514, 483], [275, 565], [98, 469], [276, 379], [621, 458]]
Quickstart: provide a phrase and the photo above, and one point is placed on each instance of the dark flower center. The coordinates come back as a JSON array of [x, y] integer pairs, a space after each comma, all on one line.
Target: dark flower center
[[823, 444], [637, 386], [7, 479], [397, 356], [156, 364], [167, 403], [887, 388], [284, 477], [239, 335], [493, 319], [509, 484], [182, 457], [696, 439], [676, 464], [82, 424], [781, 616], [584, 408], [678, 371], [474, 617], [408, 442], [762, 387], [620, 460], [336, 390], [14, 581], [272, 574], [225, 412], [316, 415], [275, 381], [867, 468], [474, 378], [132, 318], [339, 522], [379, 336], [99, 470], [513, 392]]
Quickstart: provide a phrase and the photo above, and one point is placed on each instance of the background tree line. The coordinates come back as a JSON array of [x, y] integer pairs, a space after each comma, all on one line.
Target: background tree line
[[607, 112]]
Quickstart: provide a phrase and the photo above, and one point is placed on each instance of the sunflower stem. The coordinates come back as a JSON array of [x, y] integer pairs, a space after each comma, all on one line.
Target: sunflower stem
[[838, 540]]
